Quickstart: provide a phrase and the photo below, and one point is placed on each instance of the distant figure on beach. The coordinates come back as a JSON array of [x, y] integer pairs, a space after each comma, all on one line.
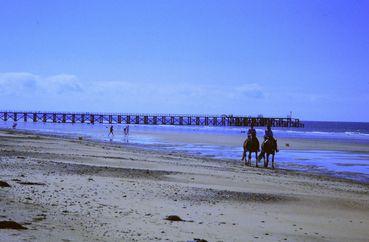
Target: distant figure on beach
[[14, 125], [126, 133], [111, 131], [251, 145], [126, 130]]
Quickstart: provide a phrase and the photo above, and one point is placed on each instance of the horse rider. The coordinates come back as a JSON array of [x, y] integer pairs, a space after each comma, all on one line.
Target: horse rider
[[251, 133], [269, 135], [251, 144], [251, 136]]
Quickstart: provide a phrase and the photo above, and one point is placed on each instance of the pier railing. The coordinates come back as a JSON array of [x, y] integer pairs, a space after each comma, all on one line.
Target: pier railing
[[147, 119]]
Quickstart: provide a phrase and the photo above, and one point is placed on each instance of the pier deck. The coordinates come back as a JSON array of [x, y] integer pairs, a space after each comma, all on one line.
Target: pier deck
[[147, 119]]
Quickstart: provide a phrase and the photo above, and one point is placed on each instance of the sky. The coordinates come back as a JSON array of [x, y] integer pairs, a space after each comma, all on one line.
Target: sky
[[273, 57]]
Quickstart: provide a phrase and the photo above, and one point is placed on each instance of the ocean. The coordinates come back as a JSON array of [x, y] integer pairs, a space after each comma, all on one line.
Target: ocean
[[339, 149]]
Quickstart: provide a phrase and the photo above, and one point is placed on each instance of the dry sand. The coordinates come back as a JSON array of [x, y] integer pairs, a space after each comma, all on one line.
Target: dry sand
[[76, 190]]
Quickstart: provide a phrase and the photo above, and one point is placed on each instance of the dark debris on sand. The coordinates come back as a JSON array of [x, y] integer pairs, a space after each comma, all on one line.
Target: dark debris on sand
[[4, 184], [174, 218], [199, 240], [11, 225], [32, 183]]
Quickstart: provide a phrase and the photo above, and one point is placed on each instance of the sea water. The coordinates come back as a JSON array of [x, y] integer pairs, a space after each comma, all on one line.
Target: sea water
[[226, 143]]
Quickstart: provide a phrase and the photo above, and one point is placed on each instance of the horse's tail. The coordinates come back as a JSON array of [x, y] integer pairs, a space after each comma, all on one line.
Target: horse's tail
[[261, 155]]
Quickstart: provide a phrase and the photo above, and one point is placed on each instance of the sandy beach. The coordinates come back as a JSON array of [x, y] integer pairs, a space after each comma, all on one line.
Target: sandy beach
[[65, 189]]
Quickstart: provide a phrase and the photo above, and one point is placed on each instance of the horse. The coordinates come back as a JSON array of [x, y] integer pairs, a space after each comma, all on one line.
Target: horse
[[269, 147], [251, 145]]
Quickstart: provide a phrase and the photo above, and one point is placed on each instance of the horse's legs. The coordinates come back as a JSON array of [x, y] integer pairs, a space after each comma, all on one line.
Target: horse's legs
[[243, 155], [249, 161], [273, 161], [267, 161], [256, 158]]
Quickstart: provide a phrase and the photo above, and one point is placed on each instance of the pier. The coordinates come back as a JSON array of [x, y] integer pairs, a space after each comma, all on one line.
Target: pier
[[147, 119]]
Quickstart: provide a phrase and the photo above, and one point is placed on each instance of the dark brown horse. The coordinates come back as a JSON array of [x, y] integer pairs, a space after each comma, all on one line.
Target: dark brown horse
[[269, 147], [250, 145]]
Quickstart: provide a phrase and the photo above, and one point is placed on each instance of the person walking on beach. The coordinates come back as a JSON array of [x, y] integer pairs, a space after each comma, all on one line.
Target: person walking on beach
[[111, 131], [126, 130]]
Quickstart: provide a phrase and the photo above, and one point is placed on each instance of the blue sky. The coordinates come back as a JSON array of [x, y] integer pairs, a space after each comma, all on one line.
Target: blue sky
[[240, 57]]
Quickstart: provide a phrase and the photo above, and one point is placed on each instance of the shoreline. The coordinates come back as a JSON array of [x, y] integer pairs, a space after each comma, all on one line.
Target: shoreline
[[295, 143], [81, 190]]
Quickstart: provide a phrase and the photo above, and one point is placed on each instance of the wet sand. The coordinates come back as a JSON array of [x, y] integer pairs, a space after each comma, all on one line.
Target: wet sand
[[76, 190], [236, 139]]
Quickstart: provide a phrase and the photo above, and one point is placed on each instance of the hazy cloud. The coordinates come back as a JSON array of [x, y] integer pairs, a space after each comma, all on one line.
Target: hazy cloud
[[17, 83], [23, 83], [64, 89], [63, 83], [253, 90]]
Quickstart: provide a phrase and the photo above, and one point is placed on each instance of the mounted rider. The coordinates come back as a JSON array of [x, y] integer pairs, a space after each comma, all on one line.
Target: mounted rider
[[251, 145], [269, 136], [252, 140], [251, 133]]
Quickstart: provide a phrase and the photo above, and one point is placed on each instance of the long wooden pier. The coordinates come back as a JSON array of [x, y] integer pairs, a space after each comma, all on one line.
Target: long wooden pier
[[147, 119]]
